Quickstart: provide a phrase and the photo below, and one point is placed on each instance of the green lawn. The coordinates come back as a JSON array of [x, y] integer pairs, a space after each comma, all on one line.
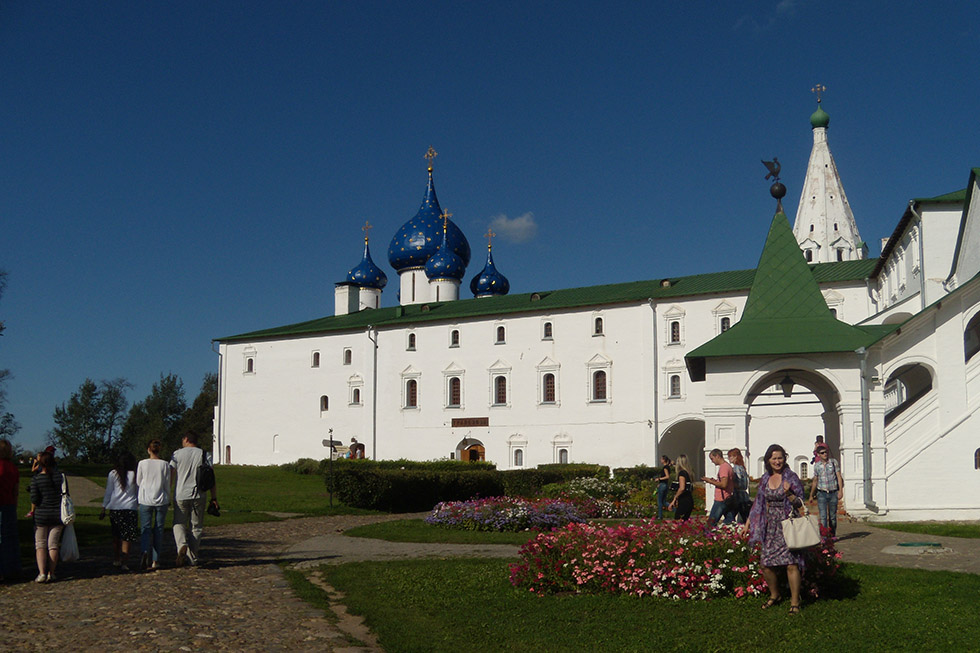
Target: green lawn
[[467, 604], [944, 529]]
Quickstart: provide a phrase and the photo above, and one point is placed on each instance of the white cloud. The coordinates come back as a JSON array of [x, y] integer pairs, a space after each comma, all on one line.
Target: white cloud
[[516, 230]]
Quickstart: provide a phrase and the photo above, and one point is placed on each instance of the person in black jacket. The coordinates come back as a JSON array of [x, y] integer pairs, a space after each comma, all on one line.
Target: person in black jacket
[[46, 497]]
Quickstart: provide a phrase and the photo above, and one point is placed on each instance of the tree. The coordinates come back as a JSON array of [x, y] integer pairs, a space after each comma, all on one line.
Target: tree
[[87, 426], [8, 425], [156, 417], [199, 418]]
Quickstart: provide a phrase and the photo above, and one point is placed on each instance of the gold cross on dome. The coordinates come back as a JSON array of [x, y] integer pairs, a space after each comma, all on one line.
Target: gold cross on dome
[[366, 228], [818, 89], [489, 236], [445, 219], [430, 154]]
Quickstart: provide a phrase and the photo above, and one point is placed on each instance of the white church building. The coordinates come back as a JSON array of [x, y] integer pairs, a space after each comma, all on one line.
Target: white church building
[[877, 355]]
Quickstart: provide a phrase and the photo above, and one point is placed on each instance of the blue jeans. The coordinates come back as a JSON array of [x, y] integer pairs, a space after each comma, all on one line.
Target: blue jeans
[[718, 510], [151, 529], [827, 504], [661, 499]]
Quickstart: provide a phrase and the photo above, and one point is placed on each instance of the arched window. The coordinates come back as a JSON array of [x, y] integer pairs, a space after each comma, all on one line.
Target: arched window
[[316, 359], [411, 342], [840, 254], [548, 396], [726, 323], [324, 403], [976, 459], [547, 331], [454, 338], [598, 327], [455, 391], [249, 365], [500, 390], [518, 457], [411, 394], [675, 385], [833, 312], [356, 396], [971, 338], [809, 254], [348, 357], [563, 456], [227, 454], [599, 386], [804, 470], [675, 331], [501, 335]]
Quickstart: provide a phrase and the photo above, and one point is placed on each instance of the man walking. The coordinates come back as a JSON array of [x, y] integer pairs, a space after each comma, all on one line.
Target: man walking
[[827, 482], [189, 501], [724, 489]]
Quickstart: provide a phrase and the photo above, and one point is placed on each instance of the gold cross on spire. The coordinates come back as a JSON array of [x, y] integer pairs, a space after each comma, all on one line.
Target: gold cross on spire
[[489, 236], [445, 219], [430, 154], [818, 89], [366, 228]]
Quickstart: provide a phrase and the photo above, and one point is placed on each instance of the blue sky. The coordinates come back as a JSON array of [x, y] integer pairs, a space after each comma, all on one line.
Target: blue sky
[[176, 172]]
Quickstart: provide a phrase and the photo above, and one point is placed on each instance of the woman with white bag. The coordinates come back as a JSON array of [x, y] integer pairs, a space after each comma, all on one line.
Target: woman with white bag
[[46, 497], [780, 491]]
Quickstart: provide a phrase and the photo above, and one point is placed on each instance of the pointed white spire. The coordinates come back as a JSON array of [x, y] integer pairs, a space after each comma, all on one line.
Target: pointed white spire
[[825, 226]]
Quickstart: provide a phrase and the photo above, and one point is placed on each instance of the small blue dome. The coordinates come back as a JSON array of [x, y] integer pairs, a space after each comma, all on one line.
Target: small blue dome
[[420, 237], [444, 264], [489, 282], [366, 274]]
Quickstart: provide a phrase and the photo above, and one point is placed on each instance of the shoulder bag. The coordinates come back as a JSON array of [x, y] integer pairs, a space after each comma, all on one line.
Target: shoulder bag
[[801, 532], [67, 505]]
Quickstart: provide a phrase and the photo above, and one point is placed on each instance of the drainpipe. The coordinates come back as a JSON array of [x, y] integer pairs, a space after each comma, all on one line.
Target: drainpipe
[[221, 409], [374, 394], [922, 258], [866, 430], [656, 388]]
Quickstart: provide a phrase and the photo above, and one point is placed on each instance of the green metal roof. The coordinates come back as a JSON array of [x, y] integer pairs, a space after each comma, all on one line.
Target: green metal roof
[[554, 300], [785, 312]]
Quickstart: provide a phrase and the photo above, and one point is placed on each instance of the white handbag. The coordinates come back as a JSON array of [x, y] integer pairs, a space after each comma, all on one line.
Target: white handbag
[[67, 505], [801, 532]]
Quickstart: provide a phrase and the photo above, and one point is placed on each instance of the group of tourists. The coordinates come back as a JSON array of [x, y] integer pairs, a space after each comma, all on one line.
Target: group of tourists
[[780, 496], [137, 498]]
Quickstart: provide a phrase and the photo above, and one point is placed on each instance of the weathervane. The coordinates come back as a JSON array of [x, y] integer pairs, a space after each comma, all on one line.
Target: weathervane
[[366, 228], [430, 154], [777, 190], [818, 89]]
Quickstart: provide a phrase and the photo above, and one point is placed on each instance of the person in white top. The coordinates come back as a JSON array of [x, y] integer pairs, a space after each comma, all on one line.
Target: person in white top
[[120, 500], [153, 477]]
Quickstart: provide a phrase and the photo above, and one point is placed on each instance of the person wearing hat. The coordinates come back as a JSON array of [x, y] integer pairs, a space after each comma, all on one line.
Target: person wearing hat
[[827, 483]]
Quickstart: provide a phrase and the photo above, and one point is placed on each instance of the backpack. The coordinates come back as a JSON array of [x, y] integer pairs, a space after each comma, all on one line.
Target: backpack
[[205, 474]]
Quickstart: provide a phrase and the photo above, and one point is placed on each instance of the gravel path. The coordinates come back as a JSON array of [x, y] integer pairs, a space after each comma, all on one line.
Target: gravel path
[[239, 600]]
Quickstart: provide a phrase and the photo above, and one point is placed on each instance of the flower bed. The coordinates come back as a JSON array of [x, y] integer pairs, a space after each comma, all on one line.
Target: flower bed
[[677, 560], [505, 514]]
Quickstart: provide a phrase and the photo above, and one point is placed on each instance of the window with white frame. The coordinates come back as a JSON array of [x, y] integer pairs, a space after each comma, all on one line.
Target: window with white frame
[[561, 446], [410, 388], [518, 457], [673, 376], [500, 384], [500, 335], [675, 386], [674, 322], [563, 456], [724, 315], [410, 345], [248, 361], [348, 356], [354, 385], [600, 379], [597, 325], [455, 392], [517, 444], [454, 338], [547, 331], [316, 359], [324, 403], [548, 382]]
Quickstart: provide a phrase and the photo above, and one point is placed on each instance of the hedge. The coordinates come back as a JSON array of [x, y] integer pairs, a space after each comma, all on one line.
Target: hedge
[[410, 490], [636, 475]]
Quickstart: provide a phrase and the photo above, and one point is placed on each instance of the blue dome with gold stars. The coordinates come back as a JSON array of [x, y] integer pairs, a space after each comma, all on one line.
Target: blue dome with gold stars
[[420, 237], [366, 274], [489, 282], [444, 264]]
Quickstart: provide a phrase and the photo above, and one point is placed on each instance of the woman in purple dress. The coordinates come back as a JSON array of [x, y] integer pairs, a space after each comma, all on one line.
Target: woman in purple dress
[[780, 490]]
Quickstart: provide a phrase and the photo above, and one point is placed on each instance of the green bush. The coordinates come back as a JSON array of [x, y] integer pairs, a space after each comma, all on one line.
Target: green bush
[[528, 482], [305, 466], [636, 475], [576, 470], [410, 490]]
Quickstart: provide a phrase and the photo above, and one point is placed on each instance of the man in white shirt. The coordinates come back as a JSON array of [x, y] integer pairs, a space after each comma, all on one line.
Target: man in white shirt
[[189, 503]]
